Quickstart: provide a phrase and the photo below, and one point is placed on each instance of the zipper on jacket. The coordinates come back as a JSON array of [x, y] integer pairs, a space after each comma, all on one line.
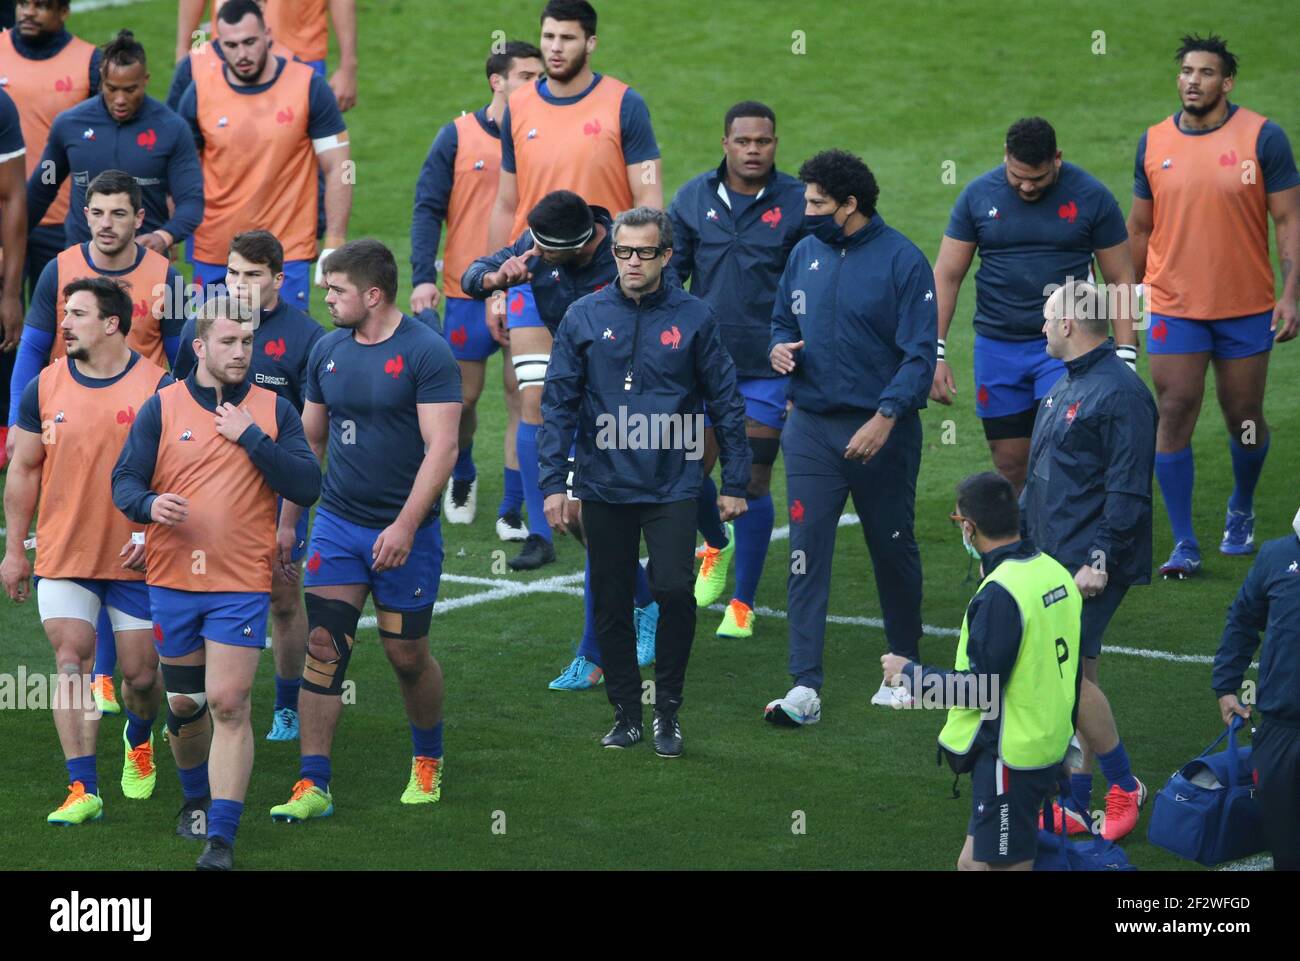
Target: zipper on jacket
[[636, 339]]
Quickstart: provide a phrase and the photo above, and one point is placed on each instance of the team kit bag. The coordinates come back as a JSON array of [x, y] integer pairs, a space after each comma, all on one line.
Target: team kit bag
[[1208, 812]]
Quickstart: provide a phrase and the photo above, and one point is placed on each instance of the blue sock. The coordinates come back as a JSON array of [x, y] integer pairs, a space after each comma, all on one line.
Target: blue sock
[[223, 819], [643, 596], [1081, 792], [530, 475], [707, 519], [513, 498], [137, 728], [588, 647], [1247, 462], [194, 781], [753, 535], [1176, 474], [465, 469], [1115, 769], [105, 645], [316, 768], [286, 692], [426, 741], [83, 769]]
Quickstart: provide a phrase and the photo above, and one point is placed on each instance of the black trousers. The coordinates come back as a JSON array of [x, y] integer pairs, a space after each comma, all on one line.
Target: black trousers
[[1275, 752], [613, 549]]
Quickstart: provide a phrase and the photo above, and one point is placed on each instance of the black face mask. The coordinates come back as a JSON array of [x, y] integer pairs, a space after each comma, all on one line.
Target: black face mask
[[824, 227]]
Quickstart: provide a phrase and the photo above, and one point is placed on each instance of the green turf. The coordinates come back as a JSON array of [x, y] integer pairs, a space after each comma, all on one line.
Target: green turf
[[909, 87]]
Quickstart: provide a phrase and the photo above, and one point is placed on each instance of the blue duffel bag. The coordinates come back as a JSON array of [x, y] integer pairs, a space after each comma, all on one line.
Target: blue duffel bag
[[1207, 812]]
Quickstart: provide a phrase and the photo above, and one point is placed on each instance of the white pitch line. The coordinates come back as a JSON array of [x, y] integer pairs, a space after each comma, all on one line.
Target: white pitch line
[[1260, 862], [564, 584]]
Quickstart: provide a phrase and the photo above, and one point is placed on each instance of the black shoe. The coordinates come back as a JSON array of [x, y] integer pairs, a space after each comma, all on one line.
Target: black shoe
[[217, 855], [625, 732], [537, 551], [668, 735], [192, 818]]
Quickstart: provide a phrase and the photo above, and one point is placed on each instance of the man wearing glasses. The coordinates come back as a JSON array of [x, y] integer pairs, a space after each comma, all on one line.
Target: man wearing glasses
[[1087, 503], [1012, 692], [632, 365], [854, 323], [564, 254]]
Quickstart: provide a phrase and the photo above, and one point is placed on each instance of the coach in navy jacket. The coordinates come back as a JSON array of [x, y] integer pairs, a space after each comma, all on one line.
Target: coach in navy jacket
[[855, 324], [631, 368], [1087, 503], [1269, 600]]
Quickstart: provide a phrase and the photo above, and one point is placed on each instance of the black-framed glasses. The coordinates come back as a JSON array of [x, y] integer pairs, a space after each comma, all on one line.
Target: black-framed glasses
[[623, 252]]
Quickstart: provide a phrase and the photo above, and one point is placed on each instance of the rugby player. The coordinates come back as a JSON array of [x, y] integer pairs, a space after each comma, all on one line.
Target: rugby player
[[573, 130], [1037, 222], [1205, 183], [383, 392], [458, 184], [283, 337], [72, 425], [202, 465], [734, 227], [13, 246], [262, 123]]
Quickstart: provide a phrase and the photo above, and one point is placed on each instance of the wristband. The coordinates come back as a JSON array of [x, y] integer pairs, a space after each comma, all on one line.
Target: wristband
[[29, 544], [943, 350], [1128, 353]]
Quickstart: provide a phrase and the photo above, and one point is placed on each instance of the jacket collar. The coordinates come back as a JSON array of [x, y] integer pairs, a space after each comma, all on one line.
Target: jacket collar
[[1089, 360], [874, 228], [1014, 551], [206, 397], [718, 179], [649, 301]]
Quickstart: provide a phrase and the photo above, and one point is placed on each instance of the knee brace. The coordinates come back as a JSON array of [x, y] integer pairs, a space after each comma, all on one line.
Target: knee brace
[[331, 624], [763, 450], [403, 625], [185, 681], [530, 369]]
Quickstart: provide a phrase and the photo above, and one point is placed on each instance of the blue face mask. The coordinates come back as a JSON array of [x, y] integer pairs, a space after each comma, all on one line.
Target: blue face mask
[[970, 547]]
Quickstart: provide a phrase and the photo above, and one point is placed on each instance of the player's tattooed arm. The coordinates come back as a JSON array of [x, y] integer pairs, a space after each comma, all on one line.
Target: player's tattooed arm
[[338, 194], [22, 491], [1284, 207], [1116, 265], [1141, 221]]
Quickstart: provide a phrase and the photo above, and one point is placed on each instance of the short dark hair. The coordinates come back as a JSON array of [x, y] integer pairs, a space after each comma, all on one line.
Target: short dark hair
[[579, 10], [259, 247], [747, 108], [1211, 44], [989, 501], [644, 217], [502, 63], [560, 214], [366, 263], [116, 182], [842, 175], [110, 296], [235, 10], [123, 51], [1031, 140]]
